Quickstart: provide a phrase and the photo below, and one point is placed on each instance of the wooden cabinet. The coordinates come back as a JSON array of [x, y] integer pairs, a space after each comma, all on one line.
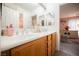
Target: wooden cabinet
[[49, 45], [24, 50], [54, 37], [34, 48], [44, 46], [41, 46], [6, 53]]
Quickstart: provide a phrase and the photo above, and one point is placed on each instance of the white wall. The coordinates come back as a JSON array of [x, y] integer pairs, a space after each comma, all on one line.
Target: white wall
[[57, 24]]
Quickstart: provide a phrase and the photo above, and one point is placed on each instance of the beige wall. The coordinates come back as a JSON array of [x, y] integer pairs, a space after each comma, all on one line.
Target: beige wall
[[71, 9]]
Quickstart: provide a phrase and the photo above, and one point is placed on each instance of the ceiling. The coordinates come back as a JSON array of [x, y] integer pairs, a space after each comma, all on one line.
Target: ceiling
[[69, 9], [27, 6]]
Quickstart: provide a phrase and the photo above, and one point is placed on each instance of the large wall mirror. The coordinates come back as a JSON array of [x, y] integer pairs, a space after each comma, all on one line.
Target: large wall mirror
[[34, 21], [21, 21], [50, 19], [42, 20]]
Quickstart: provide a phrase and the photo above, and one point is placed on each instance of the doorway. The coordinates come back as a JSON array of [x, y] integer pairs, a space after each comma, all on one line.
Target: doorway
[[69, 29]]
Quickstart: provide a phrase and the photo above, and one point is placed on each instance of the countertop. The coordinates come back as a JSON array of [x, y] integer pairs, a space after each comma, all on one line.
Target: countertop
[[16, 40]]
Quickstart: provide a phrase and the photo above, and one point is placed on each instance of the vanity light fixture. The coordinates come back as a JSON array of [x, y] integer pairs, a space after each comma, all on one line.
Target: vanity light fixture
[[42, 5]]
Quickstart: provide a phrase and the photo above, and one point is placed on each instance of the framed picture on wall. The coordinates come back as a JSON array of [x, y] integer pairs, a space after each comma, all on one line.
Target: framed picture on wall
[[50, 19], [34, 20], [21, 21], [42, 20]]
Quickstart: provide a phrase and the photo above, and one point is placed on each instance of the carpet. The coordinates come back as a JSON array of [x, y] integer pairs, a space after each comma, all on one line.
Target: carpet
[[75, 41]]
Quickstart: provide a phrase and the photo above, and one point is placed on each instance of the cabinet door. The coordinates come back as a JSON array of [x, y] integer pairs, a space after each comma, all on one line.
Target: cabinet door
[[41, 47], [53, 43], [49, 45], [35, 48], [24, 50]]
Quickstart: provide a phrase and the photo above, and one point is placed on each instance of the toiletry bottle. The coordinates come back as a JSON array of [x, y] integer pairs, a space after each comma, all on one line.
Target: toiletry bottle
[[10, 30], [2, 32]]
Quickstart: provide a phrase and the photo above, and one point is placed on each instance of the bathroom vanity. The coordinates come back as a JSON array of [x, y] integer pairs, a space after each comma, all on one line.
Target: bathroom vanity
[[29, 32], [43, 44]]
